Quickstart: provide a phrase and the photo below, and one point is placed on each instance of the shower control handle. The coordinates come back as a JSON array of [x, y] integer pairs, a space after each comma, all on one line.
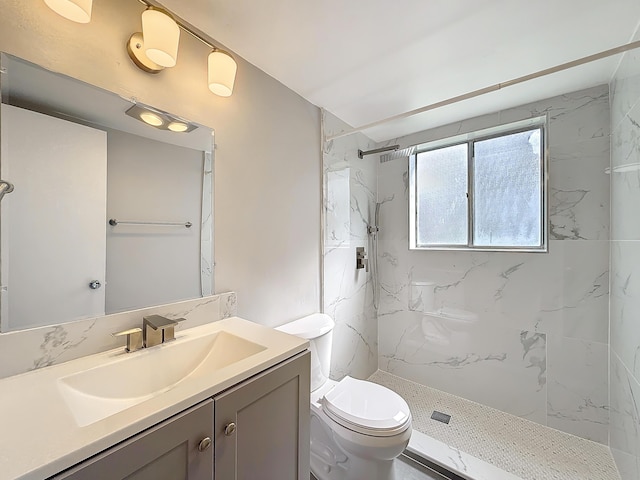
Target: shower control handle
[[361, 259]]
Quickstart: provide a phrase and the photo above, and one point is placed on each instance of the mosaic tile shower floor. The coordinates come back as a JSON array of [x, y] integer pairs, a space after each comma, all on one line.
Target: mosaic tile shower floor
[[520, 447]]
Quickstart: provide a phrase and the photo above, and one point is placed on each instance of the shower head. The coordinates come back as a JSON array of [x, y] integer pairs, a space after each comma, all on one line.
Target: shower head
[[5, 187]]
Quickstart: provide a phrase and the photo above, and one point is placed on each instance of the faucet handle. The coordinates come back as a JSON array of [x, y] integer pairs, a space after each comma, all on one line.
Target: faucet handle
[[169, 331], [159, 322], [134, 338]]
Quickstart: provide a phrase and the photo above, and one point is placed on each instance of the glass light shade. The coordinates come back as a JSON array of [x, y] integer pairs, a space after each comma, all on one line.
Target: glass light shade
[[222, 73], [161, 36], [75, 10], [178, 127], [151, 119]]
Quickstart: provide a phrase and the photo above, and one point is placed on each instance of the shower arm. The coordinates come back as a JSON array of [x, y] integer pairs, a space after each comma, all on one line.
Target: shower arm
[[361, 154]]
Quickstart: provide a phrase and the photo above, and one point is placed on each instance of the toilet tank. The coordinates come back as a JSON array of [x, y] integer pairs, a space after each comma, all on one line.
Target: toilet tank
[[318, 329]]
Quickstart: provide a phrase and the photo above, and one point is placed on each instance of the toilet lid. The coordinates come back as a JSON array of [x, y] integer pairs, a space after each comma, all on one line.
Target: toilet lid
[[367, 408]]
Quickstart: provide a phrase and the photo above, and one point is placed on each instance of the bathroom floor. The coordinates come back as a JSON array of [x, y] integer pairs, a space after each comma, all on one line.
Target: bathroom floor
[[524, 449]]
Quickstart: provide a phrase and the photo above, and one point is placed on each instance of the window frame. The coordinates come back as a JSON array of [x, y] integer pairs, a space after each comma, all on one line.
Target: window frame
[[469, 139]]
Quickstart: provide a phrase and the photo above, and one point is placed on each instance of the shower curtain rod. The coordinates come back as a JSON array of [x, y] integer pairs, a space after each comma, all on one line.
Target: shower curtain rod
[[492, 88]]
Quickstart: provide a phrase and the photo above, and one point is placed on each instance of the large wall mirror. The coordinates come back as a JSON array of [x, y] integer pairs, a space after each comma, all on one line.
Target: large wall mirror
[[106, 205]]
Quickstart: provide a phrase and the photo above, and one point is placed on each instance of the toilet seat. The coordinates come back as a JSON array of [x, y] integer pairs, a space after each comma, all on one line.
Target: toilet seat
[[367, 408]]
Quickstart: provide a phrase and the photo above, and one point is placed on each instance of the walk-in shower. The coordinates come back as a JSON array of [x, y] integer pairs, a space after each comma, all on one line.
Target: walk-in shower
[[500, 317]]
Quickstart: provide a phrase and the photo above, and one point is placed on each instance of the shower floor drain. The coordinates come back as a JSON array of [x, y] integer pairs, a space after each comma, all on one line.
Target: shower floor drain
[[440, 417]]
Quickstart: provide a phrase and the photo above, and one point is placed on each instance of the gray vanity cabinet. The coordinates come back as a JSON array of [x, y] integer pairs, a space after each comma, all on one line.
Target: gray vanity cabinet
[[262, 425], [169, 450], [256, 430]]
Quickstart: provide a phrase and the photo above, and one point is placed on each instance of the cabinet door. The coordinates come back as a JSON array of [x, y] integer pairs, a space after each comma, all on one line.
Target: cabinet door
[[167, 451], [270, 413]]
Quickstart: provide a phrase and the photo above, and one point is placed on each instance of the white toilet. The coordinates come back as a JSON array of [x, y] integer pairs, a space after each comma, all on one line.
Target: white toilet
[[357, 427]]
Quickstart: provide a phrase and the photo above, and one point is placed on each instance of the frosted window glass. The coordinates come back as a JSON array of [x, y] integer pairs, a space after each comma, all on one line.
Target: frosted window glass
[[507, 191], [441, 185]]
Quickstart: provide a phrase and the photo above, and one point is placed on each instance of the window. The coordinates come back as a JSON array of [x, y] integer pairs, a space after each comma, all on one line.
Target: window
[[484, 190]]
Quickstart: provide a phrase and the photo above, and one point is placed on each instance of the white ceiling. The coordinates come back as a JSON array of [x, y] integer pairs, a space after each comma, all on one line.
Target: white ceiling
[[366, 60]]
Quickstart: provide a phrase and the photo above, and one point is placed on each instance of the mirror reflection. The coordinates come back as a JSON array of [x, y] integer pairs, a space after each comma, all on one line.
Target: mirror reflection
[[105, 206]]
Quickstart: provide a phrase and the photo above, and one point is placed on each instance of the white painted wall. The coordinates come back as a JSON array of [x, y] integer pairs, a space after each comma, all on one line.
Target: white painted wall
[[268, 160]]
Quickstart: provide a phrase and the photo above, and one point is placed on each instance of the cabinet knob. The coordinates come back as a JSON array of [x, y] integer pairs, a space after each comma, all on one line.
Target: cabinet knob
[[204, 444], [230, 429]]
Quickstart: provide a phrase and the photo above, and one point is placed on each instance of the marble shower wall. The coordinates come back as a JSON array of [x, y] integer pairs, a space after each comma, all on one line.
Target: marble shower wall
[[625, 266], [526, 333], [350, 199]]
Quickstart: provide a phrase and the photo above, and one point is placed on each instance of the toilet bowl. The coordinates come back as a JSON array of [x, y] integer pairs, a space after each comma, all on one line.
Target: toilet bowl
[[357, 427]]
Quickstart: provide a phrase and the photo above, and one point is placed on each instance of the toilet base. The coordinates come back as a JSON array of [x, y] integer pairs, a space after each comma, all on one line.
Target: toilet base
[[346, 455], [353, 468]]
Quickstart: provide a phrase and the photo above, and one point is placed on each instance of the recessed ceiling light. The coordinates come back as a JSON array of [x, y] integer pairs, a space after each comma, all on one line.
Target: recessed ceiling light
[[151, 119]]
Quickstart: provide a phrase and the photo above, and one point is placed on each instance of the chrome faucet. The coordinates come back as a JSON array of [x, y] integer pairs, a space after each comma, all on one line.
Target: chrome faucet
[[155, 330]]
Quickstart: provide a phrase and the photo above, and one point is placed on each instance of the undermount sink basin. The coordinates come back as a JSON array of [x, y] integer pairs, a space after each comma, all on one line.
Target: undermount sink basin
[[100, 392]]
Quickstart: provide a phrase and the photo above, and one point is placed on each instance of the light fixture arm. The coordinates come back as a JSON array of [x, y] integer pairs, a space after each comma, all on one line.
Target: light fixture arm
[[154, 53]]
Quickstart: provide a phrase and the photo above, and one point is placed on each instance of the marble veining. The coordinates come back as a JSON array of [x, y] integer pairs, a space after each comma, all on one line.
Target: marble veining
[[579, 190], [624, 431], [499, 320], [564, 203], [206, 230], [349, 206], [56, 342], [26, 350]]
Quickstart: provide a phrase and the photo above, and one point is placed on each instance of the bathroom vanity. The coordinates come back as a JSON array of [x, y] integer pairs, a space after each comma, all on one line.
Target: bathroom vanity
[[225, 400]]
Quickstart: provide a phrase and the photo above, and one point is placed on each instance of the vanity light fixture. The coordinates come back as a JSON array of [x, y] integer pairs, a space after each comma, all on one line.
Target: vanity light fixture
[[156, 47], [161, 36], [159, 119], [178, 127], [151, 118], [75, 10], [221, 72]]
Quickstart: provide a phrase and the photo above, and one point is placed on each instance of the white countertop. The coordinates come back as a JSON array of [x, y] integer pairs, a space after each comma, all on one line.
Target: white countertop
[[39, 436]]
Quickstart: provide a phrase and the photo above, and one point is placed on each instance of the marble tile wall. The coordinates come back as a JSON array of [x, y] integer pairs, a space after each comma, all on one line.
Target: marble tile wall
[[26, 350], [350, 198], [526, 333], [625, 266]]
